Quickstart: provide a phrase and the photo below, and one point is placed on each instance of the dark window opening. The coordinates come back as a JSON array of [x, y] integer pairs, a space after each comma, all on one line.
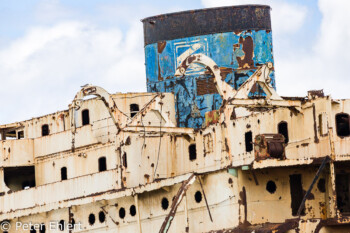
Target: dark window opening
[[42, 228], [122, 213], [321, 185], [134, 108], [85, 117], [342, 190], [296, 192], [192, 152], [283, 129], [102, 164], [19, 178], [271, 186], [132, 210], [92, 219], [61, 225], [101, 217], [45, 130], [32, 229], [63, 173], [343, 124], [10, 135], [20, 134], [125, 160], [165, 203], [198, 196], [248, 141]]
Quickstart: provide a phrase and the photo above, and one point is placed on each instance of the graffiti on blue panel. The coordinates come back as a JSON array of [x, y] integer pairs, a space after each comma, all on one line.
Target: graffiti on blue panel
[[185, 48], [237, 55]]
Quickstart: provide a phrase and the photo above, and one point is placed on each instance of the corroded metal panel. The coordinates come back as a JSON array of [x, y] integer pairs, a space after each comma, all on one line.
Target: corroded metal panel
[[237, 51]]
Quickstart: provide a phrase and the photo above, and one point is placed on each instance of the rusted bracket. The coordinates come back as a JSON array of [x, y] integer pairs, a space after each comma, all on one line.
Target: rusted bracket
[[205, 199], [176, 202], [324, 162]]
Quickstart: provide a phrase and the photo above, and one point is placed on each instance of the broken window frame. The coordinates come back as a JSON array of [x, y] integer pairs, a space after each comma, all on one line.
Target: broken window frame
[[44, 131], [284, 131], [338, 130], [134, 109]]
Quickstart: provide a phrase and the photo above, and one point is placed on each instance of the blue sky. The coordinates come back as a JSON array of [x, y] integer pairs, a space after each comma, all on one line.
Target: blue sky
[[49, 48]]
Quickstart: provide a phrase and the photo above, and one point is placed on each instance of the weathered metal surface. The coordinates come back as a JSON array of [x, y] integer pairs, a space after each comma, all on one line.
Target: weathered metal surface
[[124, 156], [206, 21], [237, 51]]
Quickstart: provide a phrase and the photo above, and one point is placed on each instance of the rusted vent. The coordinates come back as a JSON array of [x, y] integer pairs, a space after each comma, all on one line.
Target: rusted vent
[[269, 146], [102, 217], [132, 210], [206, 86], [343, 124], [92, 219], [165, 203], [85, 117], [198, 196], [122, 213], [271, 186]]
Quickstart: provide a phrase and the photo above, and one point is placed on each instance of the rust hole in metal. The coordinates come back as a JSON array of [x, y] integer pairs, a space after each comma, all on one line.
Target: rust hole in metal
[[92, 219], [102, 164], [122, 213], [85, 118], [101, 217], [321, 185], [283, 129], [132, 210], [192, 152], [271, 186], [343, 124], [198, 196], [165, 203], [248, 141], [134, 108], [63, 173]]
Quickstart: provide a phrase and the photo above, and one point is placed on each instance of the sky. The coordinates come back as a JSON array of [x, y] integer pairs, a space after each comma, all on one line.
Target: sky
[[50, 48]]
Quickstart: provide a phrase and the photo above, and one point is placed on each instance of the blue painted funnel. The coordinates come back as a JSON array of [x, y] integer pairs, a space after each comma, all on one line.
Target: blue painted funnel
[[238, 39]]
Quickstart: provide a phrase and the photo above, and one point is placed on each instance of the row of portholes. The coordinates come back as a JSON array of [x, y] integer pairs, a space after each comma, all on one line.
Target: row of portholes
[[101, 218], [164, 203], [122, 213]]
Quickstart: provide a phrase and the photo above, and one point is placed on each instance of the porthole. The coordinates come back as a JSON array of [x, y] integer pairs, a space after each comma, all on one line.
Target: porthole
[[271, 186], [165, 203], [101, 217], [122, 213], [198, 196], [132, 210], [92, 219]]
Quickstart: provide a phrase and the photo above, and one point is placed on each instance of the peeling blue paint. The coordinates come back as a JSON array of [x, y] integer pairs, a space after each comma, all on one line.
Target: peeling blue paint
[[231, 53]]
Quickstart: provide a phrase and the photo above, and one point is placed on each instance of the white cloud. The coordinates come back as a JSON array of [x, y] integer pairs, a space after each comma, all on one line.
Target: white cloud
[[287, 17], [45, 67], [299, 68]]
